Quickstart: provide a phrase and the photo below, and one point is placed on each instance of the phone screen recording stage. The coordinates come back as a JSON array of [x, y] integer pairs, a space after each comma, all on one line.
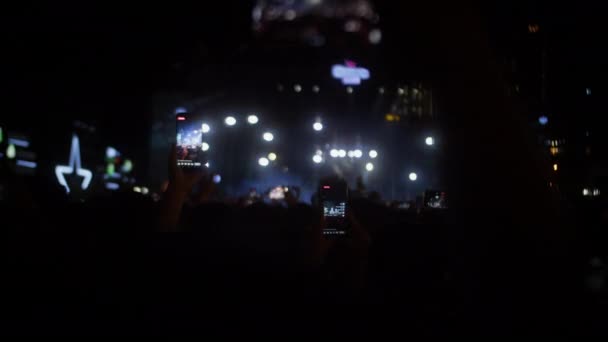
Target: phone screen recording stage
[[189, 143]]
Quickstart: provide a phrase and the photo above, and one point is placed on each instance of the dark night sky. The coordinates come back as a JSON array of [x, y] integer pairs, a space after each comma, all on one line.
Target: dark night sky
[[97, 62]]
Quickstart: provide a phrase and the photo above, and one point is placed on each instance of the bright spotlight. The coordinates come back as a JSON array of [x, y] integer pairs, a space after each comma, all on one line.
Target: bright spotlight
[[413, 176], [205, 128], [272, 156], [334, 153], [317, 159], [230, 121], [252, 119], [369, 167], [263, 162], [205, 146], [341, 153], [373, 154], [357, 153], [317, 126], [268, 136], [429, 141]]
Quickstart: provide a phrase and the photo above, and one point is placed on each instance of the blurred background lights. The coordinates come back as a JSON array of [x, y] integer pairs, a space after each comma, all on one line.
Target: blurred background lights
[[369, 167], [263, 162], [375, 36], [543, 120], [11, 152], [429, 141], [205, 128], [252, 119], [413, 176], [317, 126], [334, 153], [127, 166], [230, 121], [268, 136], [111, 152], [342, 153], [272, 156], [373, 154], [317, 159], [205, 146], [357, 153]]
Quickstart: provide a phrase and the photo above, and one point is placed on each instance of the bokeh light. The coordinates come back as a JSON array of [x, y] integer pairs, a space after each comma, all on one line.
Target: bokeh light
[[230, 121], [268, 136]]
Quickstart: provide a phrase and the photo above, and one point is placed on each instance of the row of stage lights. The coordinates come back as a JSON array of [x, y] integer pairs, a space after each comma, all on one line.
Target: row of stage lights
[[318, 157]]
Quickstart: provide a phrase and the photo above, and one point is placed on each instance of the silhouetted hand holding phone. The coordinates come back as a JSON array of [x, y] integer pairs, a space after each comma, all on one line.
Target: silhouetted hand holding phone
[[181, 182]]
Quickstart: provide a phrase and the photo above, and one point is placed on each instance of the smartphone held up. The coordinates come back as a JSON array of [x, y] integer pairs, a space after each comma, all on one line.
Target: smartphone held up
[[333, 197], [190, 147]]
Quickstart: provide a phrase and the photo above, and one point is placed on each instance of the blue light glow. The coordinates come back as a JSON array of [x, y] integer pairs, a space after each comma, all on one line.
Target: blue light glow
[[27, 164]]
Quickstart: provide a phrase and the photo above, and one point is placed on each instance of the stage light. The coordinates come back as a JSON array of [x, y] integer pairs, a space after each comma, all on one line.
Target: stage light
[[429, 141], [272, 156], [230, 121], [334, 153], [263, 162], [369, 167], [317, 126], [205, 146], [268, 136], [252, 119], [373, 154], [413, 176], [357, 153], [317, 159], [205, 128], [342, 153]]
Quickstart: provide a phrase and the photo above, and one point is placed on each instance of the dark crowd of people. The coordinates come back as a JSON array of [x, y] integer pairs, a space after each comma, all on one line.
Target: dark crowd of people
[[101, 267]]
